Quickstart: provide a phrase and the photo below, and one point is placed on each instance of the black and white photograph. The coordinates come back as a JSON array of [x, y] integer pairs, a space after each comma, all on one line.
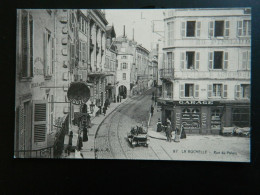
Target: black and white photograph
[[133, 84]]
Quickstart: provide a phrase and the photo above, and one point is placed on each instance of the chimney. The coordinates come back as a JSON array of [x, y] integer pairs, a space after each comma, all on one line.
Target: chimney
[[124, 31]]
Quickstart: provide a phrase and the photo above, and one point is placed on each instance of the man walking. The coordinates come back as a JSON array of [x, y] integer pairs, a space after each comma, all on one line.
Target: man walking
[[152, 109]]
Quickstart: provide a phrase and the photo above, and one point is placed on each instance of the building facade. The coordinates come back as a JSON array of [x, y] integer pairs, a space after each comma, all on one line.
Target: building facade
[[206, 70]]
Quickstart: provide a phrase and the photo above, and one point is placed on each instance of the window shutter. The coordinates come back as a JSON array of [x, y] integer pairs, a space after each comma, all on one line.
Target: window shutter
[[183, 29], [45, 52], [209, 91], [31, 46], [39, 123], [52, 54], [21, 127], [211, 28], [121, 66], [239, 28], [244, 60], [237, 91], [182, 60], [181, 90], [198, 28], [249, 60], [210, 60], [225, 60], [126, 66], [225, 91], [197, 66], [24, 43], [72, 53], [227, 24], [172, 60], [196, 91]]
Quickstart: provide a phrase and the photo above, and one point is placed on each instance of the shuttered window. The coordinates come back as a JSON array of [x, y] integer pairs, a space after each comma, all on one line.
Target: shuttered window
[[21, 127], [48, 53], [246, 60], [225, 61], [80, 50], [210, 60], [39, 121], [183, 29], [27, 45], [211, 29], [227, 26], [197, 65], [72, 56], [182, 60], [225, 91], [196, 91], [209, 91], [198, 25], [237, 91], [181, 90]]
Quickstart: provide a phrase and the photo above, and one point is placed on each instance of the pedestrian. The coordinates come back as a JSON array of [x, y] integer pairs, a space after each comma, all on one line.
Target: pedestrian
[[118, 98], [155, 100], [183, 134], [79, 142], [88, 121], [168, 121], [177, 135], [169, 129], [85, 134], [152, 109], [104, 110], [159, 125], [70, 143]]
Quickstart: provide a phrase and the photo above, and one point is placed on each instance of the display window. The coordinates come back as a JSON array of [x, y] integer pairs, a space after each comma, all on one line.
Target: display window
[[241, 117], [216, 119], [191, 118]]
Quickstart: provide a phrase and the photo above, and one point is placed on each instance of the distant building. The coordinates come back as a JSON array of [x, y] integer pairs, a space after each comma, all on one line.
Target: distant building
[[206, 72]]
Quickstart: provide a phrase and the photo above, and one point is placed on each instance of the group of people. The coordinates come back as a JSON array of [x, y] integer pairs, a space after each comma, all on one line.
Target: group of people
[[168, 129]]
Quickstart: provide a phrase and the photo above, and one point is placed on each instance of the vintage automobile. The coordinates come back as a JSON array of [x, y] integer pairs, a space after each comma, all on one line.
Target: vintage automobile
[[138, 136]]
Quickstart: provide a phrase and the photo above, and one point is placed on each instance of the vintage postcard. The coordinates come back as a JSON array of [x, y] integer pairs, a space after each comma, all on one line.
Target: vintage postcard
[[153, 84]]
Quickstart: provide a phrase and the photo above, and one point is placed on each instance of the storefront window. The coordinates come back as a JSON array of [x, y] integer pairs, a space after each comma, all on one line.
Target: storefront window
[[215, 119], [191, 118], [241, 117]]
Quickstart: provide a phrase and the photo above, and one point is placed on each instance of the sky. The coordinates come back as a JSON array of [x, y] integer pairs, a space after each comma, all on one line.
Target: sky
[[140, 20]]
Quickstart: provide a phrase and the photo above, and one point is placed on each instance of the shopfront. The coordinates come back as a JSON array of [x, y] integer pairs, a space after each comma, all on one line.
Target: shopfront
[[206, 117]]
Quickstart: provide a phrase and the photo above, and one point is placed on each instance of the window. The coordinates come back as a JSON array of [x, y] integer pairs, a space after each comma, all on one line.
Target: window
[[124, 76], [217, 91], [246, 60], [242, 91], [27, 45], [49, 53], [190, 29], [169, 60], [189, 90], [124, 66], [124, 57], [170, 33], [190, 60], [241, 117], [219, 28], [218, 60], [244, 28]]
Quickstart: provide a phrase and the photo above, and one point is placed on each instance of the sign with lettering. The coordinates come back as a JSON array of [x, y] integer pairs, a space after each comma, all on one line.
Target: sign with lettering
[[78, 93], [178, 119], [192, 102], [37, 84]]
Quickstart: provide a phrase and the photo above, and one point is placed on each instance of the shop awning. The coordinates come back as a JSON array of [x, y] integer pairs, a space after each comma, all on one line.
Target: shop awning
[[78, 93]]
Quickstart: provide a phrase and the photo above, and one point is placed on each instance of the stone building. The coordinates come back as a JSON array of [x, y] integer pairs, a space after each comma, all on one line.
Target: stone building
[[206, 72], [111, 64]]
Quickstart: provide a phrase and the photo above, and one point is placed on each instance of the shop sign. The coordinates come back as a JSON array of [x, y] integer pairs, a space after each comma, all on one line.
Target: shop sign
[[196, 102], [78, 93]]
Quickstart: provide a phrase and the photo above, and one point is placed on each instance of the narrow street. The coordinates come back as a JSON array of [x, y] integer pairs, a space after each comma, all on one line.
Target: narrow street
[[111, 139]]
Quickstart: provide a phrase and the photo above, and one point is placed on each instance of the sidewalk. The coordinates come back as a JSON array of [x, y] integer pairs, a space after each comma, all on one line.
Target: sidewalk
[[88, 147]]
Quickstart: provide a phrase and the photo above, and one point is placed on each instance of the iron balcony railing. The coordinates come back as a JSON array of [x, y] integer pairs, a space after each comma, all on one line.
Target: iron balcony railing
[[166, 73]]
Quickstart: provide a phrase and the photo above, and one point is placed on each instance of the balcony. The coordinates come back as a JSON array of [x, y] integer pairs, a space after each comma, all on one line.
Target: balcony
[[213, 74], [214, 42], [166, 73]]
